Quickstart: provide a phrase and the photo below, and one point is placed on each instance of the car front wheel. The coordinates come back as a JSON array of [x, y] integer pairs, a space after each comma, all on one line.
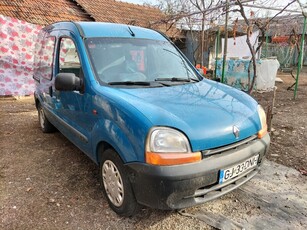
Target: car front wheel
[[116, 185]]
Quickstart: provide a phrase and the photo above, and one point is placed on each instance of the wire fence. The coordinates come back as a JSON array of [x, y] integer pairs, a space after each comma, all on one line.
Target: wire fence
[[286, 54]]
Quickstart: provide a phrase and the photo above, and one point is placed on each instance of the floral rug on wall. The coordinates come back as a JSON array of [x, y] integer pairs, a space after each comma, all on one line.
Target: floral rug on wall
[[17, 46]]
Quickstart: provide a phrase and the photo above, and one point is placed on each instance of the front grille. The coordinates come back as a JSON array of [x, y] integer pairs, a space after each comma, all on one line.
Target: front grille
[[210, 152], [205, 194]]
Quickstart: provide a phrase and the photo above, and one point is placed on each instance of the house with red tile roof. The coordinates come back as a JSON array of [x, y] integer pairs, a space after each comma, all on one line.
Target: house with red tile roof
[[21, 20], [44, 12]]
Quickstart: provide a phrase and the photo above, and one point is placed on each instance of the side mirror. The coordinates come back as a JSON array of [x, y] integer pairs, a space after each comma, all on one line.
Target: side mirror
[[67, 82]]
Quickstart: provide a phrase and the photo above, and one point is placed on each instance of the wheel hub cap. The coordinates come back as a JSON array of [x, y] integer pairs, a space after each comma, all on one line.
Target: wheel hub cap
[[113, 183]]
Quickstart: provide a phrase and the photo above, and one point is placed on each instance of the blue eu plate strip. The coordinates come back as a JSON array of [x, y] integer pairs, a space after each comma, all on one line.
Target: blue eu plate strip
[[221, 177]]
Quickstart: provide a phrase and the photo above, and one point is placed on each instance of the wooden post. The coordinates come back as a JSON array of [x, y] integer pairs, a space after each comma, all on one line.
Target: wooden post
[[270, 111]]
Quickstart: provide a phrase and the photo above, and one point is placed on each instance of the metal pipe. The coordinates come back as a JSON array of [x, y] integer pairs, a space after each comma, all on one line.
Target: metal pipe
[[217, 48], [300, 58], [225, 41], [270, 8]]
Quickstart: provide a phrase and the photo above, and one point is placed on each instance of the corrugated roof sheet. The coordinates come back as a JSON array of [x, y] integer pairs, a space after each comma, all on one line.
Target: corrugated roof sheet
[[44, 12]]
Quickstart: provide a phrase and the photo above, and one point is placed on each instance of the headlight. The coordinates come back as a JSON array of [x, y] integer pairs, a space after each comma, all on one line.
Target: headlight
[[168, 140], [167, 146], [264, 128]]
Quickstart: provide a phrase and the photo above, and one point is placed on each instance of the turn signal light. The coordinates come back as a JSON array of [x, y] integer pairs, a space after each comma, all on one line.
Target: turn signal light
[[172, 158]]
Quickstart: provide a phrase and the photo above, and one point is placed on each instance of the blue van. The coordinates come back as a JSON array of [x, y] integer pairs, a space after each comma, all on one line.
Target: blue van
[[163, 136]]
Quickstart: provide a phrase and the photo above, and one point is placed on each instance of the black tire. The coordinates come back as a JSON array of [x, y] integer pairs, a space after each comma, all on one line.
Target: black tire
[[112, 170], [45, 125]]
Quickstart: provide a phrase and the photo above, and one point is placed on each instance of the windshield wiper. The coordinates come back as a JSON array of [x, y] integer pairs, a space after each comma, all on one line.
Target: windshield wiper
[[173, 79], [144, 83]]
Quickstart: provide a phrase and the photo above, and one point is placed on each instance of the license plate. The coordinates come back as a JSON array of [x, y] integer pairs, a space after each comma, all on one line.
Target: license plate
[[236, 170]]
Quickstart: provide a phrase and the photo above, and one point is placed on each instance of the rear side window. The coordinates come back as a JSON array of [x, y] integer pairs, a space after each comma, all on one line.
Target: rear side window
[[69, 61], [44, 57]]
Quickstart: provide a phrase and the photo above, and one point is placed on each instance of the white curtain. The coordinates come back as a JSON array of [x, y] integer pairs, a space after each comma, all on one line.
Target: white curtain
[[238, 47]]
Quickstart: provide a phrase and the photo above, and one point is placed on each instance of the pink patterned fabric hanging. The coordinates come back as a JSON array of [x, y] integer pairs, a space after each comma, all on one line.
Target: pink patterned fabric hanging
[[17, 47]]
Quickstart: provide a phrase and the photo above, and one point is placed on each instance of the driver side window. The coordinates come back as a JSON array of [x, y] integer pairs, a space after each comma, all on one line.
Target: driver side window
[[69, 61]]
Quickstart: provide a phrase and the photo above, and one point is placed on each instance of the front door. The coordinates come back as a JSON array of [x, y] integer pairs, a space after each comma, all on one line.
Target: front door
[[73, 106]]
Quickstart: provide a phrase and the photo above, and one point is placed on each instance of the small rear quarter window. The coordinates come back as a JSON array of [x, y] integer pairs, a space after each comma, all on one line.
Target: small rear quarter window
[[43, 63]]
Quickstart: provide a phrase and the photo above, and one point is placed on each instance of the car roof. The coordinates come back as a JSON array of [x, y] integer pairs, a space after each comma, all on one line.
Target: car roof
[[103, 29]]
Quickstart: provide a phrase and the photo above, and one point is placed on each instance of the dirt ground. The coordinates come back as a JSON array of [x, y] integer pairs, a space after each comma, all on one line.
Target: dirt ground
[[47, 183], [289, 124]]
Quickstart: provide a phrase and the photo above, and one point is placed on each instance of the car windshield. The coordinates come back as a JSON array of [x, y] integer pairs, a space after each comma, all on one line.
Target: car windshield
[[143, 62]]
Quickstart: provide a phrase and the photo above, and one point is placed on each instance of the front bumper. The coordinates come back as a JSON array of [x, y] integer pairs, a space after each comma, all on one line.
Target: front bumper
[[181, 186]]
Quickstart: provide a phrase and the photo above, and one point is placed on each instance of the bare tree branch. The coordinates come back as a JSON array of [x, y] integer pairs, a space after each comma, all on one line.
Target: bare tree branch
[[263, 28], [302, 8]]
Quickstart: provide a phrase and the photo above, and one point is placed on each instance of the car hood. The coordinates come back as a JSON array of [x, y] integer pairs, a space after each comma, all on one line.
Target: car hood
[[206, 111]]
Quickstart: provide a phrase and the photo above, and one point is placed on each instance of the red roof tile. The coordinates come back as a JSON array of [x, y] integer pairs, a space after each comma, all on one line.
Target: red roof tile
[[44, 12], [128, 13], [121, 12]]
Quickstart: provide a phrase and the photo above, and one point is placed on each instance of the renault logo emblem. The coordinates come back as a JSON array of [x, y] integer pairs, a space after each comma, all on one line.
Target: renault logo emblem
[[236, 131]]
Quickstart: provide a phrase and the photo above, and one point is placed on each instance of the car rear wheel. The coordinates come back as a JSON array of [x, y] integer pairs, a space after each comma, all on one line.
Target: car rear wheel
[[45, 125], [116, 185]]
